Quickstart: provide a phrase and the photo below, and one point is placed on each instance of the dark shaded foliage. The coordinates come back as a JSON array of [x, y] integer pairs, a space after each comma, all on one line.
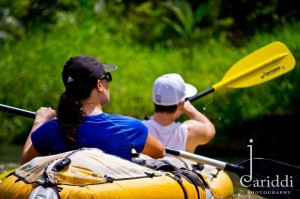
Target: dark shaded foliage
[[273, 135], [244, 17], [40, 12]]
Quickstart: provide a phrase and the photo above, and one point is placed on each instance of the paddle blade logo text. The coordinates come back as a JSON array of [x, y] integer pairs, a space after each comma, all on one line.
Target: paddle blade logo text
[[271, 72]]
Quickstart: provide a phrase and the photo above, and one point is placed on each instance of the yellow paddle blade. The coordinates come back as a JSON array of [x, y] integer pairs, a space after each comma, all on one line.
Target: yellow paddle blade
[[260, 66]]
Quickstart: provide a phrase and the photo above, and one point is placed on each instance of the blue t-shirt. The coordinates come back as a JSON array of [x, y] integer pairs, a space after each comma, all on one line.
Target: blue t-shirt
[[111, 133]]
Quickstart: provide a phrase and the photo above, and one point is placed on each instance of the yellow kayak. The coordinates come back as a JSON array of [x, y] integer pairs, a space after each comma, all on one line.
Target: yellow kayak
[[91, 173]]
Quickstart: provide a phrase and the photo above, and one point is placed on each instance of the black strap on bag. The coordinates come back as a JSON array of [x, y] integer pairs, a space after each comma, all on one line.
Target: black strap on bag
[[192, 177]]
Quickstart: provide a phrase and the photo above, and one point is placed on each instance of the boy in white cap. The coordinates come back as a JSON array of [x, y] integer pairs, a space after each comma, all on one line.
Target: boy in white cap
[[169, 94]]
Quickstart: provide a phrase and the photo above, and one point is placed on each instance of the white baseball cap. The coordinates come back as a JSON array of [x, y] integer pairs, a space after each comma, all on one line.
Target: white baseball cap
[[170, 89]]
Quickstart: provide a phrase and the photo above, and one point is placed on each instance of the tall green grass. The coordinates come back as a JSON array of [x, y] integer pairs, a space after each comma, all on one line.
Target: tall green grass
[[30, 73]]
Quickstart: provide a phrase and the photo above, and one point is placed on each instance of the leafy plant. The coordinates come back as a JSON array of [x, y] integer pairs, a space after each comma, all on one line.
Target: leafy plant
[[186, 21]]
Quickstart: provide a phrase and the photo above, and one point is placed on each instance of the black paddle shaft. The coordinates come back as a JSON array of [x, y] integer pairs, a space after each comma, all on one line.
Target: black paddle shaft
[[17, 111], [202, 94]]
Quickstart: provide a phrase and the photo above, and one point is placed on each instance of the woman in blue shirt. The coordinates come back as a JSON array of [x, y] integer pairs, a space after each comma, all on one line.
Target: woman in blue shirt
[[81, 121]]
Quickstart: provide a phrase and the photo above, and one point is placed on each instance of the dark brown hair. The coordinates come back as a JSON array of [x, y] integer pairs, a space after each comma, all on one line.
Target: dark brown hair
[[165, 109]]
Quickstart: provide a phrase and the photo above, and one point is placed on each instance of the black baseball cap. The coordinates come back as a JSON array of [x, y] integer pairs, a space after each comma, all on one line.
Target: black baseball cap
[[82, 70]]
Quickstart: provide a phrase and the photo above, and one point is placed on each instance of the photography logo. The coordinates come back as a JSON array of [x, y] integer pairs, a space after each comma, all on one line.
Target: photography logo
[[264, 184]]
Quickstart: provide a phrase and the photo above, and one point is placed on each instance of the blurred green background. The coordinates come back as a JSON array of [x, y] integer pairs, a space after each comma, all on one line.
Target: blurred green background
[[200, 40]]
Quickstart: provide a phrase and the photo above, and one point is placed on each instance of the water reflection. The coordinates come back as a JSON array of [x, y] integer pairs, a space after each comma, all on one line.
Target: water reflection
[[241, 192], [7, 166], [9, 157]]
